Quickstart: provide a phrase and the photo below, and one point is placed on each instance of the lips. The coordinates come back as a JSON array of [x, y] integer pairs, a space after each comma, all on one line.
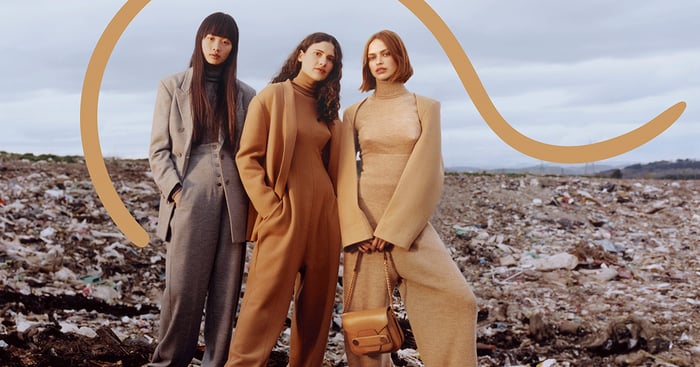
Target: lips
[[380, 70]]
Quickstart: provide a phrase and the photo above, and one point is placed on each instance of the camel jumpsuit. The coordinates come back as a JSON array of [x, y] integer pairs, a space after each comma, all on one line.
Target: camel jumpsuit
[[296, 254]]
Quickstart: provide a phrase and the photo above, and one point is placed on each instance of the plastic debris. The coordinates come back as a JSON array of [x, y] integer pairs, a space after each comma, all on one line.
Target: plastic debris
[[568, 271]]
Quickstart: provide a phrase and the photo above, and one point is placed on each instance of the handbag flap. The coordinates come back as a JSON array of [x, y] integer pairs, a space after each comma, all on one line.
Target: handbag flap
[[366, 322]]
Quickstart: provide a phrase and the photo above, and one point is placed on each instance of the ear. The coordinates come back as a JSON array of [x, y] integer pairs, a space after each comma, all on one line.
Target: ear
[[301, 54]]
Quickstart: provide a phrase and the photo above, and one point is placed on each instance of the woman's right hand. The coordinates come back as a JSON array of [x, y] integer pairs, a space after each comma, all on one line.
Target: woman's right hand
[[375, 244], [176, 196]]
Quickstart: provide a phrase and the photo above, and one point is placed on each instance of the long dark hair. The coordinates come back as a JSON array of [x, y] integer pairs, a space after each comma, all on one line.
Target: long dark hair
[[327, 91], [224, 114]]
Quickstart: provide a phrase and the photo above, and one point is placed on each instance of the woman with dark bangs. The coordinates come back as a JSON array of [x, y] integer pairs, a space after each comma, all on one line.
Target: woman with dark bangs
[[288, 164], [197, 122], [386, 205]]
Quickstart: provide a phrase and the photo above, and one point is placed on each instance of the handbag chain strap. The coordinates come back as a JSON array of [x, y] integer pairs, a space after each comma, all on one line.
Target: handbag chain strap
[[356, 269]]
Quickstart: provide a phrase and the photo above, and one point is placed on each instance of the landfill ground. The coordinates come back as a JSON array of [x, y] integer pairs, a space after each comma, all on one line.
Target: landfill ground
[[568, 270]]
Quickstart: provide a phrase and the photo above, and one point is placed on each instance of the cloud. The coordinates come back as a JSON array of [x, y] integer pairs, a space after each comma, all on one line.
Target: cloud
[[564, 73]]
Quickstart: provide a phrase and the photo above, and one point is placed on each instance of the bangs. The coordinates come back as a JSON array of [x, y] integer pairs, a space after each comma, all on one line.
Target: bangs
[[219, 24]]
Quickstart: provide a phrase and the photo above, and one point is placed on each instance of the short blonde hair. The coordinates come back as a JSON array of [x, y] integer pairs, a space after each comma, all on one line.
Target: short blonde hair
[[398, 51]]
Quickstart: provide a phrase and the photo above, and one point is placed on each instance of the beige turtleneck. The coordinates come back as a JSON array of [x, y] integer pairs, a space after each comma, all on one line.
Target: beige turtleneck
[[387, 129]]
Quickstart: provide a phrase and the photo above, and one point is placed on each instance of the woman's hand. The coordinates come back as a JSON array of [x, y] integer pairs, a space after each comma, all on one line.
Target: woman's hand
[[375, 244], [176, 196]]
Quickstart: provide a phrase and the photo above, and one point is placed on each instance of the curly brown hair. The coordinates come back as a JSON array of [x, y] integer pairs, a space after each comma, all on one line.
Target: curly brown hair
[[326, 92]]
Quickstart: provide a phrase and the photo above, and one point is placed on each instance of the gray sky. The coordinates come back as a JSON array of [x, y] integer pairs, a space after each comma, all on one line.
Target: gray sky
[[564, 73]]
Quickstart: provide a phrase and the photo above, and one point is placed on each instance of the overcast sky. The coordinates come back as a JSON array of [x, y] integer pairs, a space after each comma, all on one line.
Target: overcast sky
[[561, 72]]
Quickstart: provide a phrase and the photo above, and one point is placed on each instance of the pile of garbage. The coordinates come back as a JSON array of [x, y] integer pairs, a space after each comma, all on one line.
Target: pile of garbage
[[568, 270]]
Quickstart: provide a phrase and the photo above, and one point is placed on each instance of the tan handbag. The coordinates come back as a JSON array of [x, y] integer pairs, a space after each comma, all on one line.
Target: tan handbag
[[375, 330]]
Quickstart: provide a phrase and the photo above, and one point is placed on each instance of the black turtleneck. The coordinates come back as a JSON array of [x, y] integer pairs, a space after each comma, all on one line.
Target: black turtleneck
[[213, 75]]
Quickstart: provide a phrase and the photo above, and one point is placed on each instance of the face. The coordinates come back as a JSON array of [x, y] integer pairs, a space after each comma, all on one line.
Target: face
[[216, 49], [317, 60], [380, 61]]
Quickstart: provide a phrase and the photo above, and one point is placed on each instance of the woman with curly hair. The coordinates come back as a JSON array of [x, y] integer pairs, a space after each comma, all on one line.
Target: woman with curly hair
[[288, 163]]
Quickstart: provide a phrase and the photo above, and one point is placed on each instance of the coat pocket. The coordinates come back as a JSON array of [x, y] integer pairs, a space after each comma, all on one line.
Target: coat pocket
[[274, 220]]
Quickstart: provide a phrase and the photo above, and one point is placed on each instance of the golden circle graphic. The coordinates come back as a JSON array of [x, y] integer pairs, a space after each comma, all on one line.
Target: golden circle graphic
[[88, 124], [454, 51]]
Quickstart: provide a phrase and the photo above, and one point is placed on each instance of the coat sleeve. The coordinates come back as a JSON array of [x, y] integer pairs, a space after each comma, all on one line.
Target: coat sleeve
[[354, 226], [420, 186], [251, 155], [160, 150]]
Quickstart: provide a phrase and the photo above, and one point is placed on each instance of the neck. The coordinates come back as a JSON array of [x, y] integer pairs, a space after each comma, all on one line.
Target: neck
[[213, 72], [386, 89], [304, 83]]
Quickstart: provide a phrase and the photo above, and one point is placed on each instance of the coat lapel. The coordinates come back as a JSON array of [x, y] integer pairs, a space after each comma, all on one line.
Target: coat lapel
[[289, 134], [182, 97]]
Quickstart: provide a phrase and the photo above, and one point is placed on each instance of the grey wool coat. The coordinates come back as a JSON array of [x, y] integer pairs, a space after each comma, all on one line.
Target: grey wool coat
[[169, 152]]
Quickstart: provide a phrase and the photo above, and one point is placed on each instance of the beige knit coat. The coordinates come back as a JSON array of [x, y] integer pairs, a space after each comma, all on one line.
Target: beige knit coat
[[416, 195]]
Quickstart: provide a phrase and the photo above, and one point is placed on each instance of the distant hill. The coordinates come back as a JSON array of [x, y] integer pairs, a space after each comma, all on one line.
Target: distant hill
[[680, 169]]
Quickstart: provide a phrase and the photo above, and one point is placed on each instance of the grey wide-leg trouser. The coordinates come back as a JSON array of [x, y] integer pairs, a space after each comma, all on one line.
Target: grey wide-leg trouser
[[203, 269]]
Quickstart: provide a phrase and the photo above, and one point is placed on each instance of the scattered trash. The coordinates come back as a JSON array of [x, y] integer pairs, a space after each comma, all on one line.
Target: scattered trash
[[605, 272], [549, 263]]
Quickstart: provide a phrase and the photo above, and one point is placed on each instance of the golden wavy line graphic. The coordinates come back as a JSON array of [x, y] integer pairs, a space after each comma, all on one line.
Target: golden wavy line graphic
[[88, 124], [470, 80], [547, 152]]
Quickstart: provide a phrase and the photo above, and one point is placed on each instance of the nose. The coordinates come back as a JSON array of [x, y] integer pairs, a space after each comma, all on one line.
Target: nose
[[322, 60]]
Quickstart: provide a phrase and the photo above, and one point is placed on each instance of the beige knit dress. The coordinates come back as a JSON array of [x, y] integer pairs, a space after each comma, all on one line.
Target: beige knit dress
[[440, 305]]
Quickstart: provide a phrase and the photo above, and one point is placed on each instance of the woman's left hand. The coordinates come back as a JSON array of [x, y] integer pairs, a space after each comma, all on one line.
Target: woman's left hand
[[380, 244]]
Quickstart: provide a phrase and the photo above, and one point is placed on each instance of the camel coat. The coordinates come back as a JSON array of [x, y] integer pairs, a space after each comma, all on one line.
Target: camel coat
[[265, 189], [171, 141]]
